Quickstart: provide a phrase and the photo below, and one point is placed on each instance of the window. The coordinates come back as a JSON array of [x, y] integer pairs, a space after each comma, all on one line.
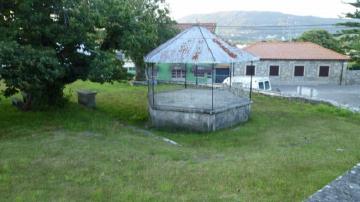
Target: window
[[274, 70], [178, 73], [299, 71], [201, 71], [324, 71], [261, 85], [250, 70], [267, 85]]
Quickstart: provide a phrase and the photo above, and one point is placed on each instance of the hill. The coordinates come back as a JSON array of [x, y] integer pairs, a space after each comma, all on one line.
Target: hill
[[248, 26]]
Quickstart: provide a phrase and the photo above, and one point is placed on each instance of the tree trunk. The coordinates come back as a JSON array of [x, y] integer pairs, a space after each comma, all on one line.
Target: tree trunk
[[140, 71], [27, 102]]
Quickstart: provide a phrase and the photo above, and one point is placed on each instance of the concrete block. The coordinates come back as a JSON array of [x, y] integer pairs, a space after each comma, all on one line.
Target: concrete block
[[87, 98]]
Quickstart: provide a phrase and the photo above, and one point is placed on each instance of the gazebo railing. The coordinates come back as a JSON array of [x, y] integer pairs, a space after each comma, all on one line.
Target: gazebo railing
[[190, 94]]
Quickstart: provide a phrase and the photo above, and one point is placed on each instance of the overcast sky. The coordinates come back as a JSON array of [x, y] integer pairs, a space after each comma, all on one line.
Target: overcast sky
[[321, 8]]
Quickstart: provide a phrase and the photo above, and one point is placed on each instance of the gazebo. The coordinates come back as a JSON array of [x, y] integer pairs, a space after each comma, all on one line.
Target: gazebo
[[192, 96]]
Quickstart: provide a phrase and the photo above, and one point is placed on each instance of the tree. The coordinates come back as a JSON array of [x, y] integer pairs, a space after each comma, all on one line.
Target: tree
[[351, 36], [136, 27], [46, 44], [322, 38]]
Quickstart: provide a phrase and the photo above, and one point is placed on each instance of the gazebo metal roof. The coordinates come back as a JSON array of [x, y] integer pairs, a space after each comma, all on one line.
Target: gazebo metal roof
[[197, 45]]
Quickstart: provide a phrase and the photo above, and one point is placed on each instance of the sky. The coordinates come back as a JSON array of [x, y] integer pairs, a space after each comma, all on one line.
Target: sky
[[320, 8]]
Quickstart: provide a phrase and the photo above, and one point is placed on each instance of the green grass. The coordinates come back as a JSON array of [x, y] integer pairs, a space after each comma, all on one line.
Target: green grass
[[286, 152]]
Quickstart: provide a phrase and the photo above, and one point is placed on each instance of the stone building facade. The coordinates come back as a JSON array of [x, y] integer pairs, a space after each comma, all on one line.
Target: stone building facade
[[286, 71], [295, 63]]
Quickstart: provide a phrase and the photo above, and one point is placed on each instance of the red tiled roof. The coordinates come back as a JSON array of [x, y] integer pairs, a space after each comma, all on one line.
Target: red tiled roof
[[293, 51], [210, 26]]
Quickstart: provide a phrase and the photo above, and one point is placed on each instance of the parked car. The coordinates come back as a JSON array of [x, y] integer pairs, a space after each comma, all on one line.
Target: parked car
[[258, 83]]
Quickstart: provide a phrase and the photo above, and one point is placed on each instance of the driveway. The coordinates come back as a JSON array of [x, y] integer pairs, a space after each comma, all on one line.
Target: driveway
[[342, 95]]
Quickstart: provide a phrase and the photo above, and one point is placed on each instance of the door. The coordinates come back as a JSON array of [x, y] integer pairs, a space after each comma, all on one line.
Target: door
[[221, 74]]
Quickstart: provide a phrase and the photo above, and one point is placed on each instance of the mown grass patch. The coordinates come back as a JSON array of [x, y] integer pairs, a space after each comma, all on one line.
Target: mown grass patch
[[287, 151]]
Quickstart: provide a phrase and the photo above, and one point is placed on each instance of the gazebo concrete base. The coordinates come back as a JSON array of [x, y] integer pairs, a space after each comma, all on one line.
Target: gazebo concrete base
[[200, 120], [193, 109]]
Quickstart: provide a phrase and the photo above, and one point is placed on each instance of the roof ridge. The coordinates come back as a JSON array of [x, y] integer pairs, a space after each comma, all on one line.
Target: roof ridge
[[207, 44]]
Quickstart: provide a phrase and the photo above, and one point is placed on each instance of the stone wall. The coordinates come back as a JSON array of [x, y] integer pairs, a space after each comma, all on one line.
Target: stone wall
[[352, 77], [286, 71], [310, 100], [192, 120]]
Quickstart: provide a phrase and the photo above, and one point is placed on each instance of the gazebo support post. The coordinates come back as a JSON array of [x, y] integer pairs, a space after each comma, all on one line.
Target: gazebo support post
[[251, 81], [196, 75], [231, 70], [185, 76], [153, 84], [148, 80], [212, 89]]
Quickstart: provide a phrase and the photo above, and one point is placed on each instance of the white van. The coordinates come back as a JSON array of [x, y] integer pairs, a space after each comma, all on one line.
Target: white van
[[258, 83]]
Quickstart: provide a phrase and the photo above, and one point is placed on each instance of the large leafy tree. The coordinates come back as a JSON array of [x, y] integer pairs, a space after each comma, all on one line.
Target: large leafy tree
[[136, 27], [46, 44], [351, 36], [322, 38]]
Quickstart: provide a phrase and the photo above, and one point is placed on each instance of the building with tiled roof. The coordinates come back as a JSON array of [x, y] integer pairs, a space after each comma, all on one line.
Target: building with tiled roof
[[297, 63]]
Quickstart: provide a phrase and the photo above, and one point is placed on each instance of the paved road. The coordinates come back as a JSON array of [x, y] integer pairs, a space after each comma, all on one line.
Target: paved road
[[343, 95], [345, 188]]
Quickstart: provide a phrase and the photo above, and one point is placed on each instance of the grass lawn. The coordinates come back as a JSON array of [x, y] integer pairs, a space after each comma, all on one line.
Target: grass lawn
[[286, 152]]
